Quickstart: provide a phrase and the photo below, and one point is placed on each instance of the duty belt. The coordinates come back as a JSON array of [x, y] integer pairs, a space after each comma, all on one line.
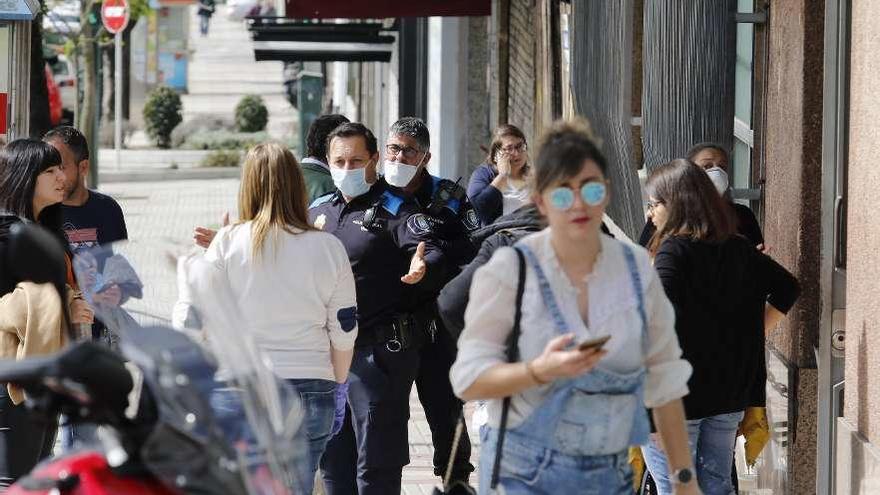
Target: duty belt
[[404, 332]]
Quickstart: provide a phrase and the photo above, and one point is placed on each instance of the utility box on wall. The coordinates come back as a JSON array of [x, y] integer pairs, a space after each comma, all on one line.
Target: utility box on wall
[[16, 17], [309, 88]]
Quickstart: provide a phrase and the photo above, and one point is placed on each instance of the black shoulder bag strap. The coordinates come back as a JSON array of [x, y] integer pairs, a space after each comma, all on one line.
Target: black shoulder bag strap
[[512, 357]]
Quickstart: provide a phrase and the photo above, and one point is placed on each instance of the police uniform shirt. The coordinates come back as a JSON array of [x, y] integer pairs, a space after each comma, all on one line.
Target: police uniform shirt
[[444, 205], [380, 252]]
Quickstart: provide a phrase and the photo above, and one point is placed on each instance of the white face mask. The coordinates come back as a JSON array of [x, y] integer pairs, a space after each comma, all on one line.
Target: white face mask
[[352, 183], [719, 178], [400, 174]]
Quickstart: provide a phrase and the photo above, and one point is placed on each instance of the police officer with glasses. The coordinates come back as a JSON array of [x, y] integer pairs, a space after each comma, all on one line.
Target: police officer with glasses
[[445, 210]]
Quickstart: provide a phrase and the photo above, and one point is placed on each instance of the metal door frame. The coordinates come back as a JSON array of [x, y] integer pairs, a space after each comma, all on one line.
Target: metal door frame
[[832, 271]]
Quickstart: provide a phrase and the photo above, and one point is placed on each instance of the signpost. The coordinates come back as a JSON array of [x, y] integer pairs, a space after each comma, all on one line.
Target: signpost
[[114, 14]]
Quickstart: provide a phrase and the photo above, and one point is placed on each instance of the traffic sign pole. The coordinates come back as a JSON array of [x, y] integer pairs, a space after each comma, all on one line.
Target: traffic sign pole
[[114, 14], [117, 76]]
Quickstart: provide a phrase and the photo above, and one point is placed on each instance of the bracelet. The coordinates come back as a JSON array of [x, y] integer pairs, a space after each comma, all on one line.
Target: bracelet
[[534, 375]]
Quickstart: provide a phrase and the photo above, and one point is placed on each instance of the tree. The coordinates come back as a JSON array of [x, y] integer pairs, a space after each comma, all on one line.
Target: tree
[[82, 46], [39, 98]]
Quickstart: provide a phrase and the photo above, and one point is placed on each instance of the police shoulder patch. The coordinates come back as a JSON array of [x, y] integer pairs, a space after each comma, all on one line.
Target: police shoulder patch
[[420, 224], [470, 220]]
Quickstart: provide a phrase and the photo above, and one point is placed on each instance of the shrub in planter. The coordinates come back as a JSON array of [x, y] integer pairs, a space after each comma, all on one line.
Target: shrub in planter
[[223, 140], [162, 113], [221, 158], [251, 114], [203, 123]]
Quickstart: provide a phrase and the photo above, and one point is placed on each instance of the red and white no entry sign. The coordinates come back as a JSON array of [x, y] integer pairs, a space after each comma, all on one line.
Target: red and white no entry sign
[[114, 14]]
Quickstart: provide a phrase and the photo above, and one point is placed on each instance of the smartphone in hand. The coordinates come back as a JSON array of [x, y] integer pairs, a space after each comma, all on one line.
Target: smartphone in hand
[[596, 343]]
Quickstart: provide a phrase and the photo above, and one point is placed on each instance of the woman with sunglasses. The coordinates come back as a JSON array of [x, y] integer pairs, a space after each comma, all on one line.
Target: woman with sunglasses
[[500, 186], [726, 295], [574, 410]]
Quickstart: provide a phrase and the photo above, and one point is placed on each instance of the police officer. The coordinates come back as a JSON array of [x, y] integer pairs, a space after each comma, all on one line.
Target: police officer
[[391, 256], [444, 209]]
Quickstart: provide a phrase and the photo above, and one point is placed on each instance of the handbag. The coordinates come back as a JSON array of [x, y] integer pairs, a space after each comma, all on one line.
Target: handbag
[[512, 357], [459, 487]]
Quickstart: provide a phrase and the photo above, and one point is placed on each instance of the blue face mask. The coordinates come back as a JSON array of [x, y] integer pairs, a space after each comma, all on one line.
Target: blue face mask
[[352, 183]]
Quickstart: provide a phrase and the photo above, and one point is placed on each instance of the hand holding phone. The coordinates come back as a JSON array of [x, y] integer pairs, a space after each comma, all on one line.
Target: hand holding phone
[[596, 343]]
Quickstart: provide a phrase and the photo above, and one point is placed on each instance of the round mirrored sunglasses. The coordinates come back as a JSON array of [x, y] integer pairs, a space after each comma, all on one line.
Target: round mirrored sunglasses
[[592, 193]]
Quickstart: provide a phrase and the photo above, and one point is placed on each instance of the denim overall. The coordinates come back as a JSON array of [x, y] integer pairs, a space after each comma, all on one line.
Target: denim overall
[[576, 440]]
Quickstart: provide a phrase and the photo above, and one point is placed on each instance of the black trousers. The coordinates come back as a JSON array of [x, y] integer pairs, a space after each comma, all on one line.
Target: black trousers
[[442, 407], [367, 456], [24, 441]]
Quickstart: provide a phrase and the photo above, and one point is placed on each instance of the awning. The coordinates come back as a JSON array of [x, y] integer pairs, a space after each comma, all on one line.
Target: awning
[[311, 51], [310, 42], [18, 10], [378, 9]]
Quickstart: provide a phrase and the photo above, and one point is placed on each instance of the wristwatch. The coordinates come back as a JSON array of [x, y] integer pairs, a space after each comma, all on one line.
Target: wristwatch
[[682, 476]]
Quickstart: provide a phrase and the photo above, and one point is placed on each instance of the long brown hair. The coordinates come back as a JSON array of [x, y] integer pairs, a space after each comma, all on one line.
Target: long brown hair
[[272, 194], [694, 208]]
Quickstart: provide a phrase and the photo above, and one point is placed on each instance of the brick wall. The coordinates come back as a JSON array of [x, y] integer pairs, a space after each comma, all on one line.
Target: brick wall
[[521, 83]]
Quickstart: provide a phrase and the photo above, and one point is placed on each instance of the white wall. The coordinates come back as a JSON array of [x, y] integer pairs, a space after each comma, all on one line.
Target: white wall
[[447, 95]]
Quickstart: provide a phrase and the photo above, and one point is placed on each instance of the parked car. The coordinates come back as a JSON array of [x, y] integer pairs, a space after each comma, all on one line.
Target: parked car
[[65, 78], [54, 98]]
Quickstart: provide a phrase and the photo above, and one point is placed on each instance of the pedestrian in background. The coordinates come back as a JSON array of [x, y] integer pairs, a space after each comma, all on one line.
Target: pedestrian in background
[[206, 10], [573, 412], [726, 296], [715, 161], [314, 166], [294, 287], [500, 186]]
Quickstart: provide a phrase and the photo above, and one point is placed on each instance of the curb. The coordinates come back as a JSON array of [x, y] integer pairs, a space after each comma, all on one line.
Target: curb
[[153, 175]]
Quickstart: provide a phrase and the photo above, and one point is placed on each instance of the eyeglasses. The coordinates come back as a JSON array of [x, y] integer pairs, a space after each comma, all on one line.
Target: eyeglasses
[[516, 148], [592, 193], [653, 204], [408, 152]]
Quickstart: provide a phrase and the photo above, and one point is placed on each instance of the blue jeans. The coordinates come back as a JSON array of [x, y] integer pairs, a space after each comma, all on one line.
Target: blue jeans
[[319, 406], [529, 468], [711, 441]]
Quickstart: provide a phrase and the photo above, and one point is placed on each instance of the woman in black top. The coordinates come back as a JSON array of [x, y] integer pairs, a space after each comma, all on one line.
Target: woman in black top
[[714, 159], [720, 286]]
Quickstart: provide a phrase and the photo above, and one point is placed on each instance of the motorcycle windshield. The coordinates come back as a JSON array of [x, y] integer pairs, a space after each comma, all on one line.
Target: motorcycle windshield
[[226, 423]]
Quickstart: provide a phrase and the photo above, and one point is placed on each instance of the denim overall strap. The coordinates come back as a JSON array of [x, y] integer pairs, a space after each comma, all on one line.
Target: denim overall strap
[[546, 289], [636, 278]]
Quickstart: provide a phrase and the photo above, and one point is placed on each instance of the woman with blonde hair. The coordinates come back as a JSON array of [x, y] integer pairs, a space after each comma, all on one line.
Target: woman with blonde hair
[[293, 284]]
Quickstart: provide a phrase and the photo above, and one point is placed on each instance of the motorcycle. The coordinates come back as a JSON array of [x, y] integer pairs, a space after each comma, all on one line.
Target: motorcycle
[[175, 414]]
